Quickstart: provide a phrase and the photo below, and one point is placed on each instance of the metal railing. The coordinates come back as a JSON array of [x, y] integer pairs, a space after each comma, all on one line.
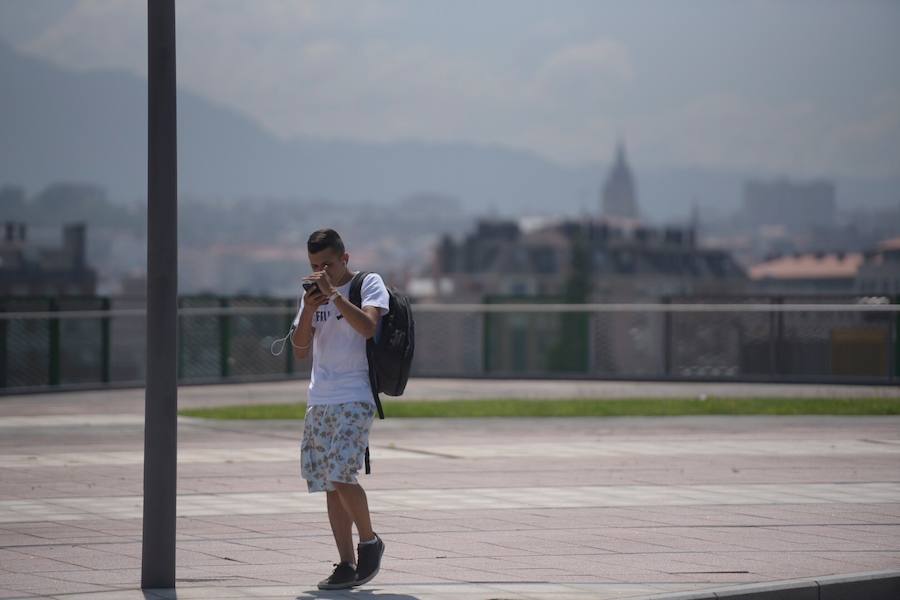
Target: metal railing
[[62, 343]]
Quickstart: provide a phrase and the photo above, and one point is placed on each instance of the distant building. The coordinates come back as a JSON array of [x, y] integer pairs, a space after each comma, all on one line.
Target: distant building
[[31, 271], [501, 259], [497, 258], [792, 204], [648, 262], [568, 261], [879, 273], [808, 273], [619, 195]]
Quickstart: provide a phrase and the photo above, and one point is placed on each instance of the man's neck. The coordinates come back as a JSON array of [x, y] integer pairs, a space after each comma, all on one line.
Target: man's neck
[[345, 279]]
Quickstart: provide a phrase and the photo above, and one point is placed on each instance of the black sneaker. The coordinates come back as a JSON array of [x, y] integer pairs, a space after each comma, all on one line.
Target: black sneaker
[[344, 576], [368, 561]]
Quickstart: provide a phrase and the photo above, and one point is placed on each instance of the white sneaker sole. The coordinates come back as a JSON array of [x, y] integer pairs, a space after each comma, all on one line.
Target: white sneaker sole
[[337, 586]]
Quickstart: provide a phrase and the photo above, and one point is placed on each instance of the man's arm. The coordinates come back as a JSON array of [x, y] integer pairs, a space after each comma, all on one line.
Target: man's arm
[[363, 320], [302, 338]]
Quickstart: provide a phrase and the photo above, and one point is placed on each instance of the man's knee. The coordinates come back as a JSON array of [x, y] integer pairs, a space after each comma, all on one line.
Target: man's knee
[[348, 490]]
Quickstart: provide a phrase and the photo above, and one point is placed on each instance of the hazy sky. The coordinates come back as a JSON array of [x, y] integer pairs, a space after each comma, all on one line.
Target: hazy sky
[[803, 87]]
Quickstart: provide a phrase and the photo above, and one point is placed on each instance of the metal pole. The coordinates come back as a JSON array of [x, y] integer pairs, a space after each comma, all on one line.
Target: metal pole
[[104, 342], [4, 362], [160, 426], [773, 341], [781, 366], [894, 367], [667, 339], [53, 369], [289, 369], [224, 341]]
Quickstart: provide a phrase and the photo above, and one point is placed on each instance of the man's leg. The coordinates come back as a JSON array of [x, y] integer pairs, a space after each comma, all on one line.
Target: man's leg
[[371, 547], [353, 498], [341, 527]]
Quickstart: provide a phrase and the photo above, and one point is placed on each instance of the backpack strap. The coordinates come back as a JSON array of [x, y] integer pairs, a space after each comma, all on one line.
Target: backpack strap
[[356, 299], [356, 288]]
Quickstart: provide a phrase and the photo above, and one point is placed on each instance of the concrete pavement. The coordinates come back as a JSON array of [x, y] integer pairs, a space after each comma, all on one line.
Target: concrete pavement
[[472, 509]]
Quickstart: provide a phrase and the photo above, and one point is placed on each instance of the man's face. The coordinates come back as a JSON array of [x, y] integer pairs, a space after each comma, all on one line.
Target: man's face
[[330, 260]]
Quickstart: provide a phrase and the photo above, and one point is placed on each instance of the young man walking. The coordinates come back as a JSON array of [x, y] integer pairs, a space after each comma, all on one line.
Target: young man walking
[[340, 409]]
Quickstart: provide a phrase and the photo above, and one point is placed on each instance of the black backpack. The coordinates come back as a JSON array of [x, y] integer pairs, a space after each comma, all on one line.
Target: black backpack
[[390, 353]]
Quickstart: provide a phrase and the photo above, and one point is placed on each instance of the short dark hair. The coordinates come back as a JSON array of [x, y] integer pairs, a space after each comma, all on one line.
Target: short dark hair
[[325, 239]]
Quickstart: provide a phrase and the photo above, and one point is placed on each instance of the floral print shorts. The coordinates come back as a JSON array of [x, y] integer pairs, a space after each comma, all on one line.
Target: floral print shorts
[[335, 437]]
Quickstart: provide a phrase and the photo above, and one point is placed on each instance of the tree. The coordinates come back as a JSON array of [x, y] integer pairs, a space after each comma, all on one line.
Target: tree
[[570, 352]]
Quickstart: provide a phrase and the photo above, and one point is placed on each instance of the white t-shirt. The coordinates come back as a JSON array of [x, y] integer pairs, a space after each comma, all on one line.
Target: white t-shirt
[[340, 371]]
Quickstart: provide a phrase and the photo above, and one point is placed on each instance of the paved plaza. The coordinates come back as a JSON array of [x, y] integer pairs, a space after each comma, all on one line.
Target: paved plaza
[[625, 507]]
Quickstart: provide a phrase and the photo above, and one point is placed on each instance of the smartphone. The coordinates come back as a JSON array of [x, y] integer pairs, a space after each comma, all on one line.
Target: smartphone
[[307, 285]]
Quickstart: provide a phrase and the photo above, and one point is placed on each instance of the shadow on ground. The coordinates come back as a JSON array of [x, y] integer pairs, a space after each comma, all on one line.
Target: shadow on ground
[[171, 594], [354, 594]]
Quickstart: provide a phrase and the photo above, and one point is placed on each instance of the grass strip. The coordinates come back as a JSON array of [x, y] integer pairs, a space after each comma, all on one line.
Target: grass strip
[[580, 407]]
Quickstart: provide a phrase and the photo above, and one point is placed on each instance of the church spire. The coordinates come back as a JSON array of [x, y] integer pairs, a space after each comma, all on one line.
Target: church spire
[[620, 154], [619, 195]]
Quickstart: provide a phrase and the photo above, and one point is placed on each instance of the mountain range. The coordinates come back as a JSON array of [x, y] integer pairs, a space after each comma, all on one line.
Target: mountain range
[[62, 125]]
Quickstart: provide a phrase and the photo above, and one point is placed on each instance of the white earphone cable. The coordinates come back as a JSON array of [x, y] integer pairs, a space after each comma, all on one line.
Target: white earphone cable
[[289, 335]]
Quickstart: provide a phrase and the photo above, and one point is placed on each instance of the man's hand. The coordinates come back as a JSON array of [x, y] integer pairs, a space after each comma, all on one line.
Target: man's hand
[[321, 279], [314, 298]]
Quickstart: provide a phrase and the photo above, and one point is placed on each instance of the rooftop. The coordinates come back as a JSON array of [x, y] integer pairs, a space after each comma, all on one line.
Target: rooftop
[[835, 265]]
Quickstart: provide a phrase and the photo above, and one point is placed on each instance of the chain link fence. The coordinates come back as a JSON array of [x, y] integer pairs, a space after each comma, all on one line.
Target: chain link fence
[[57, 343]]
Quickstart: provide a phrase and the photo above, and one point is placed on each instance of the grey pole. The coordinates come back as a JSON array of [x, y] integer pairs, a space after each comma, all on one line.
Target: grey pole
[[160, 425]]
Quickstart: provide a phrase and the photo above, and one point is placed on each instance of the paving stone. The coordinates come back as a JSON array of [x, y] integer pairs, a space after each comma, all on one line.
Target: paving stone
[[10, 594], [535, 508]]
